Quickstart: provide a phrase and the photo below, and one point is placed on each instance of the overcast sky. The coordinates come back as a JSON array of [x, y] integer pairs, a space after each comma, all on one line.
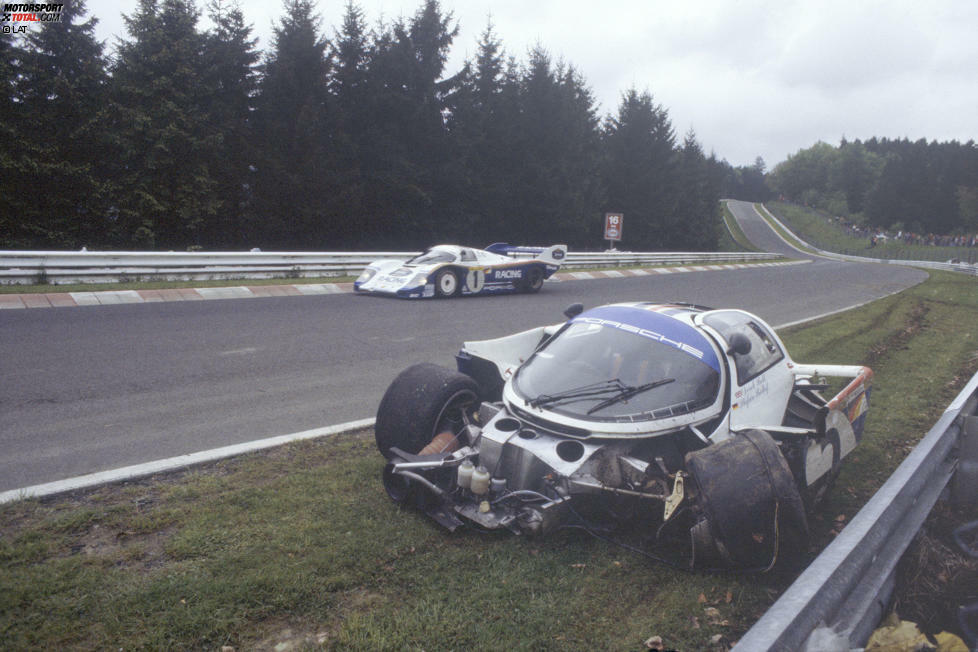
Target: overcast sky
[[750, 77]]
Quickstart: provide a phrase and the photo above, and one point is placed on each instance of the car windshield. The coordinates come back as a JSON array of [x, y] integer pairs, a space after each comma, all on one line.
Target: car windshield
[[605, 373], [431, 257]]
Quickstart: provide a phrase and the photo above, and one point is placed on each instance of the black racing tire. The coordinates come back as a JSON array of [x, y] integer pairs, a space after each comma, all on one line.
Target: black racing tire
[[533, 281], [753, 515], [447, 284], [422, 401]]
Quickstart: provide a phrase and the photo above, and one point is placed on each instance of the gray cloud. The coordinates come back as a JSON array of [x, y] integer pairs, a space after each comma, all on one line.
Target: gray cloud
[[751, 77]]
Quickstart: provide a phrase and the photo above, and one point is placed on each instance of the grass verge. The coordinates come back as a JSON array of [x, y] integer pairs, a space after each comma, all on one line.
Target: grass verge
[[780, 230], [822, 230], [299, 546]]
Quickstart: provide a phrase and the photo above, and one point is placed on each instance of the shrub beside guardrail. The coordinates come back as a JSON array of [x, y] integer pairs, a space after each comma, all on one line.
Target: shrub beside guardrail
[[61, 267]]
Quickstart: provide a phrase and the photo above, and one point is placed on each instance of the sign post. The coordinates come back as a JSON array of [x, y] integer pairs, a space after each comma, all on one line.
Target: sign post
[[613, 223]]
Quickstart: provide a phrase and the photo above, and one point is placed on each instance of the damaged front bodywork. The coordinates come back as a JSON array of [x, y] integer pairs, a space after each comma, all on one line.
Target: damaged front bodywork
[[646, 420]]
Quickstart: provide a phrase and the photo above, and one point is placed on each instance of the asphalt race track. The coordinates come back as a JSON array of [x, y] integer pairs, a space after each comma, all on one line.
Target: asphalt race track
[[94, 388]]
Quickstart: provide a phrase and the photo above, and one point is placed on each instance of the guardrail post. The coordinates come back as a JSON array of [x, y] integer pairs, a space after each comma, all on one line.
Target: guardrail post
[[964, 487]]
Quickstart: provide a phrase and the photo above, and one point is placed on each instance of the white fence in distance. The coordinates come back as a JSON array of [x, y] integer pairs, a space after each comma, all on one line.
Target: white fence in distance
[[62, 267]]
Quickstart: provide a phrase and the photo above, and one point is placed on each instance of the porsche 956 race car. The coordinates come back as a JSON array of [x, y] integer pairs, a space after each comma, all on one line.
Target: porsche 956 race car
[[451, 270], [640, 421]]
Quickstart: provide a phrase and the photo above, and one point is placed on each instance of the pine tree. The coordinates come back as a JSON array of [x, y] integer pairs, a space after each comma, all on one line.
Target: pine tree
[[168, 191], [641, 171], [556, 182], [351, 55], [15, 233], [434, 162], [295, 170], [58, 150], [697, 201], [230, 74], [408, 162], [350, 126], [483, 137]]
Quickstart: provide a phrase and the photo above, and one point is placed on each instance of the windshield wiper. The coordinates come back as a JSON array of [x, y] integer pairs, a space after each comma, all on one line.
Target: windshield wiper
[[629, 392], [585, 391]]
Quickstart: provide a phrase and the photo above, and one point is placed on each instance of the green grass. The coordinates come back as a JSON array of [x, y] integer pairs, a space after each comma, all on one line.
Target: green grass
[[817, 228], [780, 230], [823, 231], [301, 545]]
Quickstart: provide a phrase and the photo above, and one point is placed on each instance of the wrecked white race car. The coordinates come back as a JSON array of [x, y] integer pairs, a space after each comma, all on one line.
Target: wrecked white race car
[[634, 421]]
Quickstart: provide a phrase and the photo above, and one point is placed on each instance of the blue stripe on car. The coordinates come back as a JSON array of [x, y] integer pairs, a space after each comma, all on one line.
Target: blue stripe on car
[[656, 326]]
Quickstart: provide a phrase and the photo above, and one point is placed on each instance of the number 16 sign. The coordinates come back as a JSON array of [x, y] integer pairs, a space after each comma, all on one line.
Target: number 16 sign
[[612, 225]]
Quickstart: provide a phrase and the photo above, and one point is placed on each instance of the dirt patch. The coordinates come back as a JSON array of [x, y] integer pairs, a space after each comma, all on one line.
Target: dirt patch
[[287, 635], [898, 341], [143, 551]]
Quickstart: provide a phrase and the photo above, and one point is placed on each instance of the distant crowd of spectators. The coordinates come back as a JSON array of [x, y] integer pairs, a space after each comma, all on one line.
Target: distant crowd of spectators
[[938, 240], [906, 237]]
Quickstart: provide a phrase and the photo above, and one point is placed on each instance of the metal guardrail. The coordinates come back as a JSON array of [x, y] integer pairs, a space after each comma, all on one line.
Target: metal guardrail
[[59, 267], [965, 268], [842, 595], [933, 253]]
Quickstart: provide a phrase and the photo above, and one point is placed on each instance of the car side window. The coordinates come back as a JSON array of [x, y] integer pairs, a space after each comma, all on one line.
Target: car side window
[[764, 351], [432, 257], [467, 256]]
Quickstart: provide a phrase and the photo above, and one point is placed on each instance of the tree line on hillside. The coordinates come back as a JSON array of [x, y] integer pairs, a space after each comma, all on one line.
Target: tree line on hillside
[[191, 138], [917, 187]]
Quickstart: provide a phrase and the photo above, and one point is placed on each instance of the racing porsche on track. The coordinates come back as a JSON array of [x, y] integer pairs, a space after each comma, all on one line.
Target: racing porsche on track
[[641, 421], [451, 270]]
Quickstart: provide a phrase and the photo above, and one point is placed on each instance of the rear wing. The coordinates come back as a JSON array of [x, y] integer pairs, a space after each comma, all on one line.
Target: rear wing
[[553, 255], [849, 405]]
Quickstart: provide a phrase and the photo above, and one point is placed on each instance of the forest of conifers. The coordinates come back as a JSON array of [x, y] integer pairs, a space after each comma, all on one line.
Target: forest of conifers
[[898, 185], [358, 137], [347, 137]]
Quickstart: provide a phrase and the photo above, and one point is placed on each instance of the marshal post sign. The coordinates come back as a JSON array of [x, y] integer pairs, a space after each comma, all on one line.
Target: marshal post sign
[[613, 223]]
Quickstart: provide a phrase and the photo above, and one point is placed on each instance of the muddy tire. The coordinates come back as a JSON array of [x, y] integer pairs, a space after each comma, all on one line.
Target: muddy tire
[[424, 400], [751, 515]]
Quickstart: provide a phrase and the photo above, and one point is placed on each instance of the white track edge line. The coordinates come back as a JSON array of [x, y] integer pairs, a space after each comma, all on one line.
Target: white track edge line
[[175, 463]]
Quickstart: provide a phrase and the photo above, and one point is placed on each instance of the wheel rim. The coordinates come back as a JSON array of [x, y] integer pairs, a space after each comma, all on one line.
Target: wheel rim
[[447, 283], [453, 415], [536, 280]]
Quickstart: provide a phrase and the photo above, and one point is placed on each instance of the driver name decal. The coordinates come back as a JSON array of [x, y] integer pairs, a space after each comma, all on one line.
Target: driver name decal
[[756, 389]]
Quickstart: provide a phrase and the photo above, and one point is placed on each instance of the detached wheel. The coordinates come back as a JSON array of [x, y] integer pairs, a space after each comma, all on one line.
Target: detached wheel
[[446, 284], [423, 401], [534, 280]]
